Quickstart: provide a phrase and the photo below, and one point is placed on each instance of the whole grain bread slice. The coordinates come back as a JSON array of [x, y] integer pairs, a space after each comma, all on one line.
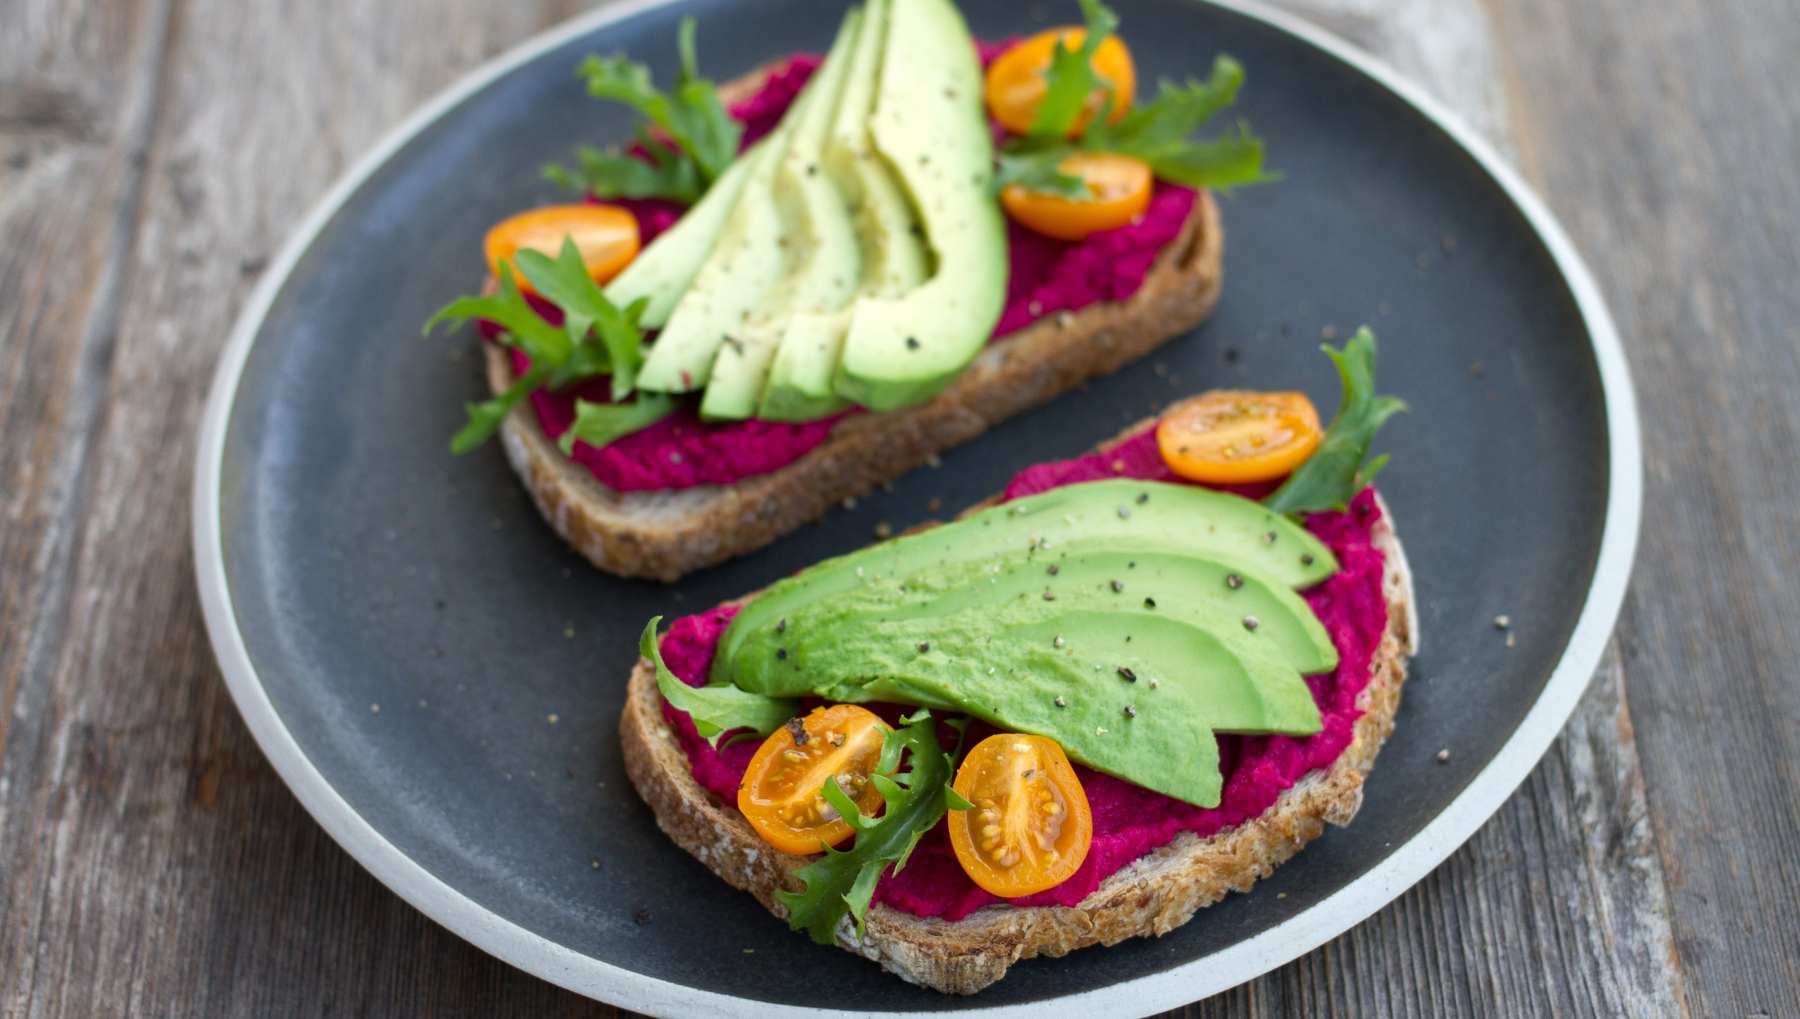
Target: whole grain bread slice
[[662, 535], [1152, 896]]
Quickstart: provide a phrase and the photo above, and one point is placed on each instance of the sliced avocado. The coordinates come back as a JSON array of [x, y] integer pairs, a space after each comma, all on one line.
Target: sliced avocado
[[930, 126], [663, 271], [823, 260], [1250, 615], [1119, 513], [893, 251], [799, 382], [893, 256], [1135, 695], [747, 258]]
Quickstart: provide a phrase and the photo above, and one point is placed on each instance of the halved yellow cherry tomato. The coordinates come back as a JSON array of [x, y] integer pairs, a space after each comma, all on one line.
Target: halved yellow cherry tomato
[[1030, 826], [780, 793], [1231, 436], [1016, 85], [1119, 192], [606, 235]]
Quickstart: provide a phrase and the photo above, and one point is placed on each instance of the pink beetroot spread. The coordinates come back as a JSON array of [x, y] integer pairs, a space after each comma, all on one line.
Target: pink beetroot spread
[[1046, 276], [1129, 820]]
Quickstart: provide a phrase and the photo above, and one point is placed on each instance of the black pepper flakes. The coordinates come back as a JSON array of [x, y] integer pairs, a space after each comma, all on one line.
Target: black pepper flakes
[[1143, 497], [1251, 623], [1130, 712], [797, 729], [912, 343], [1127, 675], [1049, 595], [1053, 569], [1269, 537], [1233, 581], [641, 918], [1118, 586], [1059, 702], [1149, 603], [781, 625], [924, 646], [781, 653], [1306, 559]]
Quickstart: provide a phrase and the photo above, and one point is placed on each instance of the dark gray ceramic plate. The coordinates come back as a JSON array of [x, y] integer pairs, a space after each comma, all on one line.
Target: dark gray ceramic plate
[[347, 561]]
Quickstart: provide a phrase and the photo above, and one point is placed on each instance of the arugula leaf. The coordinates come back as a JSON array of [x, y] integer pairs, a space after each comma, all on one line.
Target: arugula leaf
[[916, 798], [596, 338], [1071, 78], [1035, 168], [1335, 472], [689, 143], [485, 417], [1177, 111], [609, 175], [600, 423], [507, 308], [565, 282], [715, 709], [548, 347], [702, 126], [1159, 132]]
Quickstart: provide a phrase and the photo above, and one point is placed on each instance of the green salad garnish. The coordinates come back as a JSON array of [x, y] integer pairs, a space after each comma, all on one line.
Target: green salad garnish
[[843, 881], [596, 338], [687, 135], [717, 708], [1336, 471], [1157, 132]]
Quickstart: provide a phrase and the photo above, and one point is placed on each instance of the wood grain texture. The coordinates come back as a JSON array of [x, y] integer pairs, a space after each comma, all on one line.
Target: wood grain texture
[[154, 152], [1669, 142]]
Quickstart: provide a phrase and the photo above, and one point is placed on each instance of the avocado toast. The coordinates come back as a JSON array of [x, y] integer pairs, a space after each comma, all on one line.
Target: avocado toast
[[1078, 558], [845, 298]]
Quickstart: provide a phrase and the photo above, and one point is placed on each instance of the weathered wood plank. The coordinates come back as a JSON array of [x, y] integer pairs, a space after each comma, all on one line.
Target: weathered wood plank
[[78, 96], [1666, 136]]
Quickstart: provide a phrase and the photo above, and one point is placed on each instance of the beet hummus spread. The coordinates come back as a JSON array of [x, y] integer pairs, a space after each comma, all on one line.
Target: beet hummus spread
[[1045, 276], [1129, 821]]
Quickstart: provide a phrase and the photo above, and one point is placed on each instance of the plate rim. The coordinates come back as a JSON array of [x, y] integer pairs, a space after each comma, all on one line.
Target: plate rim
[[1403, 867]]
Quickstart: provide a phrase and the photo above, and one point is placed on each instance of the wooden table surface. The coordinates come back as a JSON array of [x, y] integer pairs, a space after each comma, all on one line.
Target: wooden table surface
[[153, 153]]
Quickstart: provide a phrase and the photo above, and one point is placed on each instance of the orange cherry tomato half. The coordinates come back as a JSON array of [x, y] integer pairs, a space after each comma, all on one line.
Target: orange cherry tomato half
[[1030, 826], [1016, 85], [606, 235], [781, 790], [1233, 436], [1119, 192]]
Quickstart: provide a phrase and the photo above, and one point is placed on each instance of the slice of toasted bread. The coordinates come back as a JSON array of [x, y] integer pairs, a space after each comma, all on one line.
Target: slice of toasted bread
[[664, 534], [1153, 895]]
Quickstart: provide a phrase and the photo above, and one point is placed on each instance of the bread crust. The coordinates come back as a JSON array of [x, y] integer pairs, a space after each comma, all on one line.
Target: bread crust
[[663, 535], [1151, 896]]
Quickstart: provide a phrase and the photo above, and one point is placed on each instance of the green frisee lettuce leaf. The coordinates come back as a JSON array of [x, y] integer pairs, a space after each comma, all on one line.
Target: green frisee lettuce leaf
[[916, 799], [1336, 472], [689, 138], [719, 708]]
